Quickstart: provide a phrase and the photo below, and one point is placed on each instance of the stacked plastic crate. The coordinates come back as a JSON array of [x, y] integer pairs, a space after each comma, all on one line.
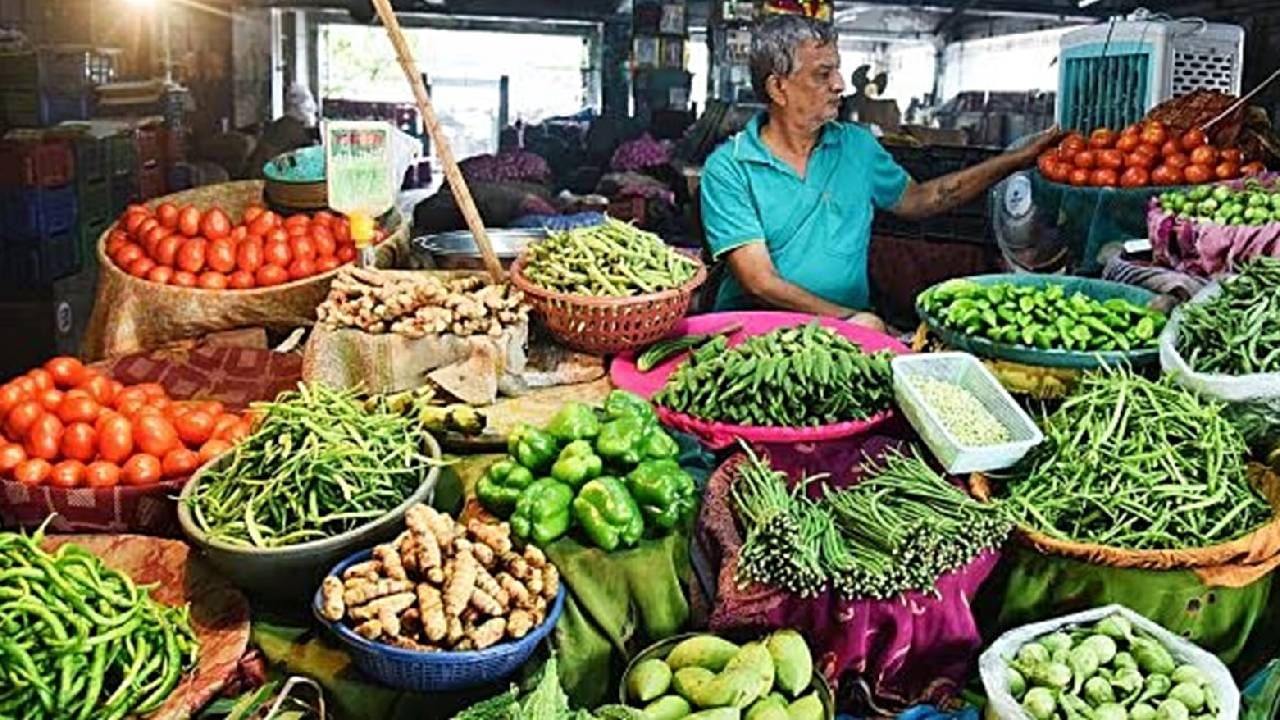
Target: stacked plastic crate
[[37, 211], [94, 206], [45, 87], [151, 160]]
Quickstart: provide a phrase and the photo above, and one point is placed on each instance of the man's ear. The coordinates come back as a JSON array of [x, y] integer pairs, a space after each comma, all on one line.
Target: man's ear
[[773, 86]]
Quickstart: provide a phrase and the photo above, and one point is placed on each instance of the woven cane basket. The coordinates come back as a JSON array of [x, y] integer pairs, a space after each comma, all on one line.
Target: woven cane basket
[[605, 325]]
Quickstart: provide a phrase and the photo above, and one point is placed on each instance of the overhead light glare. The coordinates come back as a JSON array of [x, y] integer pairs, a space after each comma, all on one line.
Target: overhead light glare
[[1087, 3]]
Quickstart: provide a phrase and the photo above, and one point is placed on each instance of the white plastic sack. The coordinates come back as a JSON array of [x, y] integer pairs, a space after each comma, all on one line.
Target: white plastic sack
[[992, 663], [1231, 388]]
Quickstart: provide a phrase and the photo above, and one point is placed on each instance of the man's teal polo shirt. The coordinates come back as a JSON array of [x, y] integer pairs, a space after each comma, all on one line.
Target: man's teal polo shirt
[[817, 228]]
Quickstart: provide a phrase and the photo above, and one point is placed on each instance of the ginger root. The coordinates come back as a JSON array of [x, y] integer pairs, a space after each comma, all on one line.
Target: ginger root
[[332, 606]]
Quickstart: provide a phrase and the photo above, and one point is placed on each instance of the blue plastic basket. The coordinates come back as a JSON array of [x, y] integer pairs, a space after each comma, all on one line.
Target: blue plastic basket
[[436, 671], [39, 213]]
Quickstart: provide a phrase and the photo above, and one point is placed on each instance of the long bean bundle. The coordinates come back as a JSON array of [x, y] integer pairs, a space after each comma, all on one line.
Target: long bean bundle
[[615, 259], [1237, 332], [899, 530], [1139, 464], [319, 463], [790, 377], [79, 640]]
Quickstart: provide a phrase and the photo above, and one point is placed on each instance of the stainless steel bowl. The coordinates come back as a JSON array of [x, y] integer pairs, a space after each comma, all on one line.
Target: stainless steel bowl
[[457, 250]]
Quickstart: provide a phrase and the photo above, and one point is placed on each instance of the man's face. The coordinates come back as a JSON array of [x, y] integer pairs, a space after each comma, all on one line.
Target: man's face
[[811, 93]]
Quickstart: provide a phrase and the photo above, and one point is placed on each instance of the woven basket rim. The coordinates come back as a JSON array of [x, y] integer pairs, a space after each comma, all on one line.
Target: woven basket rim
[[529, 288]]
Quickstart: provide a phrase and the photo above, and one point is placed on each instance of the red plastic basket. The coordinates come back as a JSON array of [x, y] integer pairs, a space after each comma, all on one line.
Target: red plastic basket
[[150, 144], [36, 164]]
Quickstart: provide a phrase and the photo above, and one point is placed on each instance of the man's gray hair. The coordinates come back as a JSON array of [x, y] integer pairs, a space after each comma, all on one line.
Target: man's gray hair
[[773, 49]]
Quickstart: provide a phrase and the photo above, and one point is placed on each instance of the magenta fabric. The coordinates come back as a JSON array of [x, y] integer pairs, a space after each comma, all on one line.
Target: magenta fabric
[[881, 656], [717, 435], [1205, 248]]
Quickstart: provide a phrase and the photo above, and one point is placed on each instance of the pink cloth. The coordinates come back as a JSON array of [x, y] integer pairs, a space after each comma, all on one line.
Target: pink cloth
[[1204, 248], [718, 435]]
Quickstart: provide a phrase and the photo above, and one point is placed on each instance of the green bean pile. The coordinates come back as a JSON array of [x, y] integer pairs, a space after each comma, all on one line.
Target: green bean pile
[[615, 259], [897, 531], [80, 640], [961, 413], [319, 463], [1138, 464], [791, 377], [1238, 331]]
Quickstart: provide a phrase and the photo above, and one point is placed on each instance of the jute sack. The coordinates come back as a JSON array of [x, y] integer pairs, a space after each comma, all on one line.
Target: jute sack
[[132, 315], [1232, 564]]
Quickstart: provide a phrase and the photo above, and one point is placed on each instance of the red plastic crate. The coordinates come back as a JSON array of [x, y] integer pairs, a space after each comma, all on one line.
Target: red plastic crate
[[32, 164], [150, 142], [151, 182], [175, 145]]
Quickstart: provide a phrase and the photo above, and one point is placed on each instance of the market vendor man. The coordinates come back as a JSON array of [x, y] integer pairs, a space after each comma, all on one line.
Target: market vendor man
[[787, 203]]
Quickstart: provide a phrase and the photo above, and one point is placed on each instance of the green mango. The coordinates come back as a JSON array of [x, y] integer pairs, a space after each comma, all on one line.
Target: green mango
[[737, 688], [808, 707], [687, 681], [705, 651], [791, 661], [724, 713], [667, 707], [648, 680], [773, 707]]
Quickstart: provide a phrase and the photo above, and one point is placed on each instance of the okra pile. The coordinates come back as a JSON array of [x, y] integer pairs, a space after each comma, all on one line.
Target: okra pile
[[320, 462], [1235, 333], [791, 377], [615, 259], [897, 530], [80, 640], [1134, 463], [1042, 317]]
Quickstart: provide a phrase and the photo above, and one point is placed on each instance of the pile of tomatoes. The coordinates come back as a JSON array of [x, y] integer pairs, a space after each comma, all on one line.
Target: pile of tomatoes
[[69, 426], [1141, 155], [191, 248]]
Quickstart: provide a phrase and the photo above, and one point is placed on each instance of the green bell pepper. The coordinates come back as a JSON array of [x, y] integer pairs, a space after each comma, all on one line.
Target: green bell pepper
[[608, 514], [502, 485], [620, 403], [658, 445], [543, 511], [573, 421], [663, 490], [577, 464], [532, 448], [621, 441]]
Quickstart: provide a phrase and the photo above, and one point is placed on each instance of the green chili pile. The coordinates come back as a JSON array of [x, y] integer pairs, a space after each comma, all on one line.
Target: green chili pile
[[1042, 317], [961, 413], [898, 530], [1138, 464], [791, 377], [615, 259], [320, 462], [80, 640], [1237, 332]]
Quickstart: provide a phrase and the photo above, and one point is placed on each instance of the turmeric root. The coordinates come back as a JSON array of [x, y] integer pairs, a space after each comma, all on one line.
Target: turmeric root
[[332, 607], [485, 603], [550, 581], [484, 555], [487, 583], [458, 592], [519, 623], [534, 556], [366, 569], [389, 620], [359, 592], [369, 630], [398, 603], [389, 556], [431, 608], [516, 590], [455, 633], [488, 634], [497, 537]]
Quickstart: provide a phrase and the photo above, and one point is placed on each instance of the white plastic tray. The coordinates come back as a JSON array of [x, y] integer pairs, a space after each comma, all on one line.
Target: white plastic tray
[[969, 373]]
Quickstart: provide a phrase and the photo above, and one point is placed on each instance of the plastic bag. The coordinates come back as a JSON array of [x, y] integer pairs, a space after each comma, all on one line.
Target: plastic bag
[[995, 660], [1230, 388]]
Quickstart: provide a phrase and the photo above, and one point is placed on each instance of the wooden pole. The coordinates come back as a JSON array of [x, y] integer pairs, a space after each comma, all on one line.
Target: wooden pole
[[451, 172]]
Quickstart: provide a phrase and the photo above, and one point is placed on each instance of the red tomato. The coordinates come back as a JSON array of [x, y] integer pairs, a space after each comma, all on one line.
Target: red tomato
[[323, 218], [277, 235], [1046, 161], [33, 471], [241, 280], [252, 213], [342, 229], [179, 462], [195, 427], [239, 233], [262, 224], [152, 390], [1205, 155], [1078, 177], [1177, 160], [1170, 148], [44, 439], [1071, 144], [155, 435], [277, 252], [329, 262], [269, 275], [1193, 139], [326, 245], [301, 268], [51, 399], [1140, 159], [191, 255], [1085, 159], [10, 396], [100, 389], [182, 278], [1232, 155], [10, 455], [147, 226], [141, 267], [153, 238], [347, 253], [42, 379], [67, 372], [102, 474], [1166, 175], [238, 432], [115, 439], [26, 385], [1110, 159], [249, 254], [1104, 177], [1134, 130], [1128, 143], [298, 230], [79, 441], [223, 424], [1153, 133], [1227, 171], [167, 214], [221, 255], [133, 221], [166, 251], [213, 449], [67, 474], [160, 274], [215, 225], [189, 221], [1252, 169], [1196, 174], [127, 254], [296, 220], [76, 408], [301, 248], [142, 469], [212, 281], [115, 241], [1101, 139]]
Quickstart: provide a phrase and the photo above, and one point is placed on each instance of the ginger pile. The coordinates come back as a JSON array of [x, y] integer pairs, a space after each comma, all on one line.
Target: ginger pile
[[444, 586], [419, 304]]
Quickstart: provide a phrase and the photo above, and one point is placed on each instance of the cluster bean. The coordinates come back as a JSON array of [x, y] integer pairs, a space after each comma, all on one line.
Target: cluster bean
[[1234, 333], [615, 259]]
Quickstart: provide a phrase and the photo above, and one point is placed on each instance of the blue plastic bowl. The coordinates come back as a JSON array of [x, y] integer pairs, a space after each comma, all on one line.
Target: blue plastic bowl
[[436, 671]]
